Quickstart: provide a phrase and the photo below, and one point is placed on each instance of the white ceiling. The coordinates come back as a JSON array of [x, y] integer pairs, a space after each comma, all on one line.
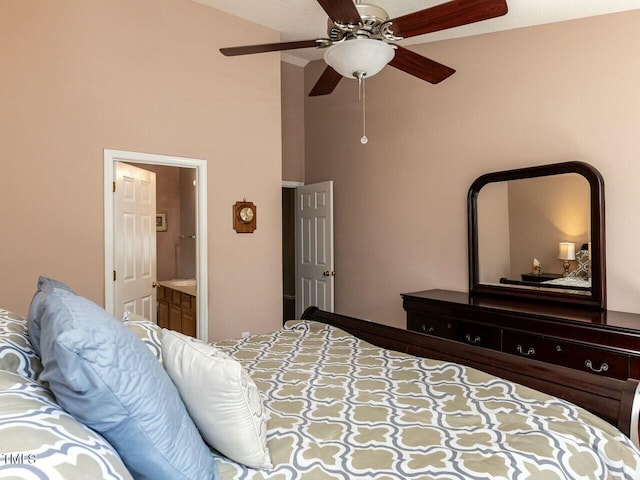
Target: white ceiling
[[305, 19]]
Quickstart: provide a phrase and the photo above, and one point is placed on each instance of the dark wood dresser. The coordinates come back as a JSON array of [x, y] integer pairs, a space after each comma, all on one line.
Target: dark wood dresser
[[602, 342]]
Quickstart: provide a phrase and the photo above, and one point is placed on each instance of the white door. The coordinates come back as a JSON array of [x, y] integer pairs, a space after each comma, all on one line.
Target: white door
[[315, 273], [134, 241]]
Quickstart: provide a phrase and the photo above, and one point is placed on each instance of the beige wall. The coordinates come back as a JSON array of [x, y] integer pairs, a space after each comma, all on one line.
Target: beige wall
[[143, 75], [553, 93], [293, 94]]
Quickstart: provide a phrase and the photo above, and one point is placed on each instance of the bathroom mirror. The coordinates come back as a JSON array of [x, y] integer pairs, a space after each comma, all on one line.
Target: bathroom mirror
[[538, 233]]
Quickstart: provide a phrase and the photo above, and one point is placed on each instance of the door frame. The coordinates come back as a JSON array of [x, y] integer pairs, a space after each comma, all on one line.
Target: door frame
[[202, 297]]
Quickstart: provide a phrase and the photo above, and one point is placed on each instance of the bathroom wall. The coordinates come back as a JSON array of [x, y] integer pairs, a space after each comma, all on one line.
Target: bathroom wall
[[187, 246], [168, 201], [176, 196]]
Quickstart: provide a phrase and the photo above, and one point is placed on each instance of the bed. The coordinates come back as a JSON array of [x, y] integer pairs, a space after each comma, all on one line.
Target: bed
[[573, 285], [343, 408], [351, 399]]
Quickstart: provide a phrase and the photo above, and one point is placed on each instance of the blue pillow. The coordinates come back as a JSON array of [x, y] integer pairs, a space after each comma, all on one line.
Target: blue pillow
[[104, 375]]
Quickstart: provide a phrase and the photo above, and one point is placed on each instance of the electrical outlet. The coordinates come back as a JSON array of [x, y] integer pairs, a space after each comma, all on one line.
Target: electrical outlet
[[245, 334]]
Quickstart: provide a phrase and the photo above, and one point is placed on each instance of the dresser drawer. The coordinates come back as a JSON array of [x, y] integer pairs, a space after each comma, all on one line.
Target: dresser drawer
[[431, 325], [569, 354], [595, 360], [460, 331], [530, 346]]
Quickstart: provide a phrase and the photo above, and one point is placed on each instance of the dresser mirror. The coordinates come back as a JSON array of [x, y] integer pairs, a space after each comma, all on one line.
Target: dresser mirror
[[538, 233]]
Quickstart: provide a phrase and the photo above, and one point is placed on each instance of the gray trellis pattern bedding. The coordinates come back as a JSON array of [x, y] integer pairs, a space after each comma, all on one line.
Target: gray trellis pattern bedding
[[39, 440], [16, 353], [341, 408]]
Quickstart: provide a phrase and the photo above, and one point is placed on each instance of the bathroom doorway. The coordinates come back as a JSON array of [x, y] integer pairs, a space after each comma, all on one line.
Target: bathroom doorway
[[176, 284], [181, 280]]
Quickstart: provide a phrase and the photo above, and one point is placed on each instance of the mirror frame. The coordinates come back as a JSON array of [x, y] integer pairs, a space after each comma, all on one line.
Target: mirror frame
[[597, 299]]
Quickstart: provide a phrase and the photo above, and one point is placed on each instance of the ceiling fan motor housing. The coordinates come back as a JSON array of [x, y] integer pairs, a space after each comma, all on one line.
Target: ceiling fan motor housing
[[375, 25]]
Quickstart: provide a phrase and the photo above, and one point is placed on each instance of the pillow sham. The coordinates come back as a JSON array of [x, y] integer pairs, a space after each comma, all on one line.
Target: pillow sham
[[103, 375], [582, 264], [221, 398], [147, 331], [17, 354], [47, 434]]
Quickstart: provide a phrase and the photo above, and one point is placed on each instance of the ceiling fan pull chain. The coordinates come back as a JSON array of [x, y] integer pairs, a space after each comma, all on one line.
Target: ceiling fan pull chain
[[362, 97]]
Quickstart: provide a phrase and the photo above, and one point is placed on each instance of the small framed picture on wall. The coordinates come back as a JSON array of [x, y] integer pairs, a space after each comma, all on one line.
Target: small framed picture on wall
[[161, 221]]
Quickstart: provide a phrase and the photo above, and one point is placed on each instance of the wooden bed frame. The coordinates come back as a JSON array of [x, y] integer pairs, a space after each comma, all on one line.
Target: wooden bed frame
[[616, 401]]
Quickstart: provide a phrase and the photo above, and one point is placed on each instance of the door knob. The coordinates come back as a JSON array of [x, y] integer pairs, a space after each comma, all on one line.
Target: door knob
[[329, 273], [154, 284]]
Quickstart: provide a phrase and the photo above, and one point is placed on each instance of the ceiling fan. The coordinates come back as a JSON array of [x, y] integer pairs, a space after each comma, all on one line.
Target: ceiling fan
[[359, 36]]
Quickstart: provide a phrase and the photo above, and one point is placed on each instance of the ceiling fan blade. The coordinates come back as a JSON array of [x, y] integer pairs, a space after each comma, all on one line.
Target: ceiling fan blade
[[327, 82], [272, 47], [419, 66], [447, 15], [341, 11]]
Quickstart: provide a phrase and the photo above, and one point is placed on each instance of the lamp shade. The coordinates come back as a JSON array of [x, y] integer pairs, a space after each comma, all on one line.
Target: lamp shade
[[567, 251], [360, 55]]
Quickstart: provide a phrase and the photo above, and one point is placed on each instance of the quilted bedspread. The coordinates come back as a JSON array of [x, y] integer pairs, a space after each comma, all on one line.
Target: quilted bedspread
[[341, 408]]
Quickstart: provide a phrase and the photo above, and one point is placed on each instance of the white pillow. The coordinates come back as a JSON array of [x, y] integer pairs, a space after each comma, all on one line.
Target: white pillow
[[221, 398]]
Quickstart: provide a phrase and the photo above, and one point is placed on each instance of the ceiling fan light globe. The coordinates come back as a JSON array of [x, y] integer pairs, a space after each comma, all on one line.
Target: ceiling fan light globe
[[359, 55]]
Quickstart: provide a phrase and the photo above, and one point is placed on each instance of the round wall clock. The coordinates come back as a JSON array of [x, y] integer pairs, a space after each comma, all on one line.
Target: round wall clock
[[244, 217], [246, 214]]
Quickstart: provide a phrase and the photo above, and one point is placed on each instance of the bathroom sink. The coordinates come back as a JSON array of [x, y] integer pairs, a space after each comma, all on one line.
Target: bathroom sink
[[181, 283]]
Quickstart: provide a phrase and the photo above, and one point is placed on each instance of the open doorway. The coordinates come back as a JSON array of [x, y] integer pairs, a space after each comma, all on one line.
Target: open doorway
[[175, 233], [288, 253], [182, 303]]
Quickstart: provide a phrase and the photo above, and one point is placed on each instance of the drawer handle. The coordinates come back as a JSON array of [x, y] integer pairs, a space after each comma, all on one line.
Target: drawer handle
[[473, 340], [603, 368], [427, 330], [528, 353]]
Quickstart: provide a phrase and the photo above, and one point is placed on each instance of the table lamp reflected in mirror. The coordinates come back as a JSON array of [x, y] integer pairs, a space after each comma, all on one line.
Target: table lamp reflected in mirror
[[566, 252]]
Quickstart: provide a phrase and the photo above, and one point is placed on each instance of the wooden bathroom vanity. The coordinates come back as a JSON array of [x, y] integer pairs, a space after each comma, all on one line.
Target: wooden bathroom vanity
[[176, 310]]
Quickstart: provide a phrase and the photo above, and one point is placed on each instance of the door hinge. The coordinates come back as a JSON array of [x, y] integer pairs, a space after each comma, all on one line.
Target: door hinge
[[114, 275], [114, 187]]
